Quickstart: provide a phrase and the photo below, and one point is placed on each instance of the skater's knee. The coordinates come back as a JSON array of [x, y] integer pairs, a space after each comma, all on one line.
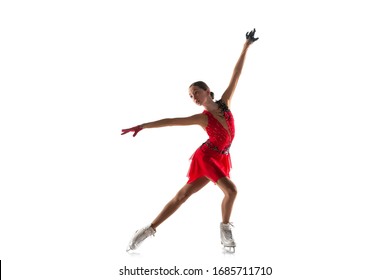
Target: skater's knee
[[228, 187], [185, 193], [231, 192], [181, 197]]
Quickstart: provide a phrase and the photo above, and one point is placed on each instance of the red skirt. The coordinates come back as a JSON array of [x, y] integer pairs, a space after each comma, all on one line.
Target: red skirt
[[206, 162]]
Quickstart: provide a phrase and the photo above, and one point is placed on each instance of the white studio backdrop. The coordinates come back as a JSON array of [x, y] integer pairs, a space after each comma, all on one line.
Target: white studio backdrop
[[310, 157]]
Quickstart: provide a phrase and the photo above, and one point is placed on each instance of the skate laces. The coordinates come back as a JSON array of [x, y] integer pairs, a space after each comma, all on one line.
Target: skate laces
[[151, 231], [227, 230], [146, 232]]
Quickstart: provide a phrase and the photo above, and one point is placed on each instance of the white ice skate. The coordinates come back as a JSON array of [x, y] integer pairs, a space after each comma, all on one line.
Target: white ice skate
[[227, 238], [139, 236]]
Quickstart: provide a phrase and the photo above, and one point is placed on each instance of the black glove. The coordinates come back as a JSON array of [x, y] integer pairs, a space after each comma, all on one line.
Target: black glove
[[250, 36]]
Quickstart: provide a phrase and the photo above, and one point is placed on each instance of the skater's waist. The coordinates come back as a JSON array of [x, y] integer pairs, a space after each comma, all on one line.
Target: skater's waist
[[215, 148]]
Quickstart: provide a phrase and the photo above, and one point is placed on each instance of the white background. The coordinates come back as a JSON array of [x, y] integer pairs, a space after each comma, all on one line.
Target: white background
[[310, 157]]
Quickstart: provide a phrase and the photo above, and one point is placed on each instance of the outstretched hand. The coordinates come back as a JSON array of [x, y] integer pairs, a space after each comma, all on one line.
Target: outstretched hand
[[250, 36], [136, 129]]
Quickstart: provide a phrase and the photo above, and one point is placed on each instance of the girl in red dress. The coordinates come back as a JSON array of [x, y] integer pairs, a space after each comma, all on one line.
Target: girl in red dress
[[211, 161]]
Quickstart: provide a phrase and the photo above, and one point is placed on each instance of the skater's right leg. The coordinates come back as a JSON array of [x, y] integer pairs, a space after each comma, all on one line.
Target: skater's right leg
[[184, 193]]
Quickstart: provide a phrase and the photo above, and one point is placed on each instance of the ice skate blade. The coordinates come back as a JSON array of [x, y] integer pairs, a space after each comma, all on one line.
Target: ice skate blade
[[229, 249], [134, 254], [131, 248]]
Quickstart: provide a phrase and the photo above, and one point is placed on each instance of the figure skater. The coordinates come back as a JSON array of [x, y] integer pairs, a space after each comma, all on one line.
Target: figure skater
[[211, 161]]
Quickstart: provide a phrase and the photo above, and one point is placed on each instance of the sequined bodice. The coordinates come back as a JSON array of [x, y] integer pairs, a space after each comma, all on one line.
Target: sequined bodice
[[220, 138]]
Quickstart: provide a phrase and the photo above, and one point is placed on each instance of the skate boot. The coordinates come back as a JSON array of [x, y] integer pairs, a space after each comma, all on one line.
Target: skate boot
[[139, 236], [227, 237]]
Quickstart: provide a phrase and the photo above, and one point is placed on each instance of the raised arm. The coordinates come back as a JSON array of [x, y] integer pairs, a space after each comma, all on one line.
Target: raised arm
[[198, 119], [228, 94]]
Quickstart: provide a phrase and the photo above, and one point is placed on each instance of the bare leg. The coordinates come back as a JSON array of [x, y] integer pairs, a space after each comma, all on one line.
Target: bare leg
[[230, 191], [184, 193]]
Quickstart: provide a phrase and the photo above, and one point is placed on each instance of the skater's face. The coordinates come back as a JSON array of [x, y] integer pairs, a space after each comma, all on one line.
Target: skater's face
[[198, 95]]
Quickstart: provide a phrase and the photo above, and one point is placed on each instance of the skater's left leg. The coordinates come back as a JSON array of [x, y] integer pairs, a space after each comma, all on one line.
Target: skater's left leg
[[230, 191]]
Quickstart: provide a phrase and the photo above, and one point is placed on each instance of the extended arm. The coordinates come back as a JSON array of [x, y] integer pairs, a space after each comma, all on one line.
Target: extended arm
[[195, 119], [198, 119], [228, 94]]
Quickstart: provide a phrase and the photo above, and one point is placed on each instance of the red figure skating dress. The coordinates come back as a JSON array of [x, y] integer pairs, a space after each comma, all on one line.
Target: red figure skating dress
[[212, 158]]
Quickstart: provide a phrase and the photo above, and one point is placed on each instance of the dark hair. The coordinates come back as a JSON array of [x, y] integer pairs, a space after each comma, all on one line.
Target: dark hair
[[203, 86]]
